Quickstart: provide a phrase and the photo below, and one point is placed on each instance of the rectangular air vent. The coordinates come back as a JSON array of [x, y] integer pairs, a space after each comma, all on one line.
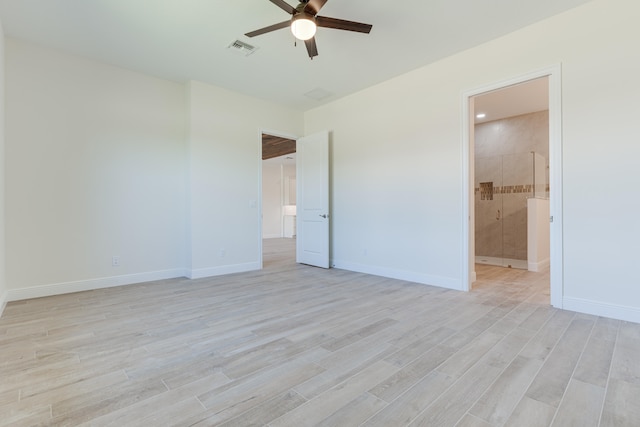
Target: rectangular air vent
[[241, 47], [318, 94]]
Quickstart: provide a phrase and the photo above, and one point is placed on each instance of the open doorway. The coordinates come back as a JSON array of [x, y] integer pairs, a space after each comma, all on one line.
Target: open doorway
[[278, 200], [511, 178], [500, 171]]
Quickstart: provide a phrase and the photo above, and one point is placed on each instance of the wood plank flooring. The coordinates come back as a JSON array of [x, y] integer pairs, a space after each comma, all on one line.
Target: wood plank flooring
[[294, 345]]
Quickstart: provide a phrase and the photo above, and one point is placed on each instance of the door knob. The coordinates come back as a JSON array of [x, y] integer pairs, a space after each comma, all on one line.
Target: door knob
[[323, 215]]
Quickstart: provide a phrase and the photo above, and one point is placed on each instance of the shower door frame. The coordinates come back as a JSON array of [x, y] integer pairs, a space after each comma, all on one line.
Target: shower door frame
[[554, 74]]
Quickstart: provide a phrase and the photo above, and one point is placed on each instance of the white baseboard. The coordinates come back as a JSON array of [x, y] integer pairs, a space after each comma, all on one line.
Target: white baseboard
[[409, 276], [272, 236], [225, 269], [596, 308], [539, 266], [4, 298], [91, 284]]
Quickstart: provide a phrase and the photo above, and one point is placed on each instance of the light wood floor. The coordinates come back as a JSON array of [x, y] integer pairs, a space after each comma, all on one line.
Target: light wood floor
[[294, 346]]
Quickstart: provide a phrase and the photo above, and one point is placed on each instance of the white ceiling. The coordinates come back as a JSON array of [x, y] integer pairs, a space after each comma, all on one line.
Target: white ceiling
[[515, 100], [183, 40]]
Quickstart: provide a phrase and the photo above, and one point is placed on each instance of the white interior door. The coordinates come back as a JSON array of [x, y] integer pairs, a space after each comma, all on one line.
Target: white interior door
[[312, 175]]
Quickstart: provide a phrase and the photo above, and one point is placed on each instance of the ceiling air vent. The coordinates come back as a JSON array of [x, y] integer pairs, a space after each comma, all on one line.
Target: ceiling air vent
[[318, 94], [242, 48]]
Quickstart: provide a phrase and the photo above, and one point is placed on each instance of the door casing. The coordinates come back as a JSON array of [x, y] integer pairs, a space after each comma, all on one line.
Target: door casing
[[554, 74]]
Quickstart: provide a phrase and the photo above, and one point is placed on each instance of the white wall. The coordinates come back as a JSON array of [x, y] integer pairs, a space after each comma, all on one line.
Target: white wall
[[3, 285], [397, 158], [95, 167], [105, 162], [538, 228], [278, 189], [225, 162], [272, 183]]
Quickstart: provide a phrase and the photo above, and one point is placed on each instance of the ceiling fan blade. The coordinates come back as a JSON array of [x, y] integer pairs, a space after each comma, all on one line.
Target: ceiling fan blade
[[312, 49], [268, 29], [341, 24], [314, 6], [284, 6]]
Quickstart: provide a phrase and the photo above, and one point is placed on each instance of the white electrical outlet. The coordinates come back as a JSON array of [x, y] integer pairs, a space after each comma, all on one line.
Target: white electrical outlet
[[223, 252], [115, 261]]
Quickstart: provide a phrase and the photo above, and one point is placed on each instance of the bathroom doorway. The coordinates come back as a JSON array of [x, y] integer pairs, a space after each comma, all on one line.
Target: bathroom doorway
[[511, 156], [554, 218]]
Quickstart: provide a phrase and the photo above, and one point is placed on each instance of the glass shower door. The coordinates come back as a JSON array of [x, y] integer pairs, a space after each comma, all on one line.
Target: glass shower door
[[489, 210], [503, 185], [517, 187]]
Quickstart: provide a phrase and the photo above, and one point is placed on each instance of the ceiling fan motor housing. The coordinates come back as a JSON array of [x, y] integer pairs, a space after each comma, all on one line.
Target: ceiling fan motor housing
[[303, 25]]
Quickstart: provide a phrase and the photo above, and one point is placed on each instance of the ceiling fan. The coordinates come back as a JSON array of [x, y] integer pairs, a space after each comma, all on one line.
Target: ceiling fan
[[305, 20]]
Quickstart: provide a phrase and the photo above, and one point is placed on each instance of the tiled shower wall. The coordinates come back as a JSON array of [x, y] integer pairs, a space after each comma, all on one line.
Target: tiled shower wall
[[503, 181]]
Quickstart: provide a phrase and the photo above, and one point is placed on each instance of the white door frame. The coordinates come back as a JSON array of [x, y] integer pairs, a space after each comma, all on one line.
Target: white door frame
[[281, 135], [554, 73]]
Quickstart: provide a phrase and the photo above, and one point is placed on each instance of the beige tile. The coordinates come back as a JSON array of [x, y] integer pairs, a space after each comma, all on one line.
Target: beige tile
[[232, 399], [547, 337], [405, 378], [537, 319], [531, 413], [9, 397], [417, 348], [355, 412], [342, 365], [506, 350], [257, 358], [550, 383], [629, 334], [26, 415], [416, 399], [472, 421], [624, 364], [45, 392], [365, 349], [99, 402], [268, 411], [595, 362], [499, 401], [358, 334], [621, 406], [462, 360], [165, 406], [580, 406], [453, 403], [166, 412], [328, 403]]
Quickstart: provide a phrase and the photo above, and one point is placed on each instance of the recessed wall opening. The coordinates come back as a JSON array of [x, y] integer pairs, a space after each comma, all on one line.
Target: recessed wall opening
[[512, 216], [278, 199], [511, 178]]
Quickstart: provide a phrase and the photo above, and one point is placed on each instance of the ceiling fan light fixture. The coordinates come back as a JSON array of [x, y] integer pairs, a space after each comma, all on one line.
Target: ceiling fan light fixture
[[303, 26], [304, 21]]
